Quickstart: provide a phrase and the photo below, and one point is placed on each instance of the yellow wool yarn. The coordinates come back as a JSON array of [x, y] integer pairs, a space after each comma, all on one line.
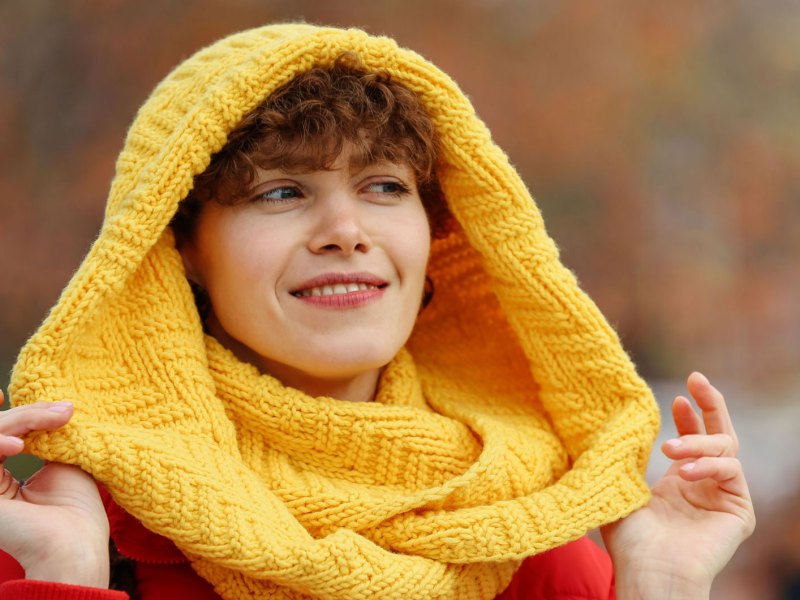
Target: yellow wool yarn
[[514, 422]]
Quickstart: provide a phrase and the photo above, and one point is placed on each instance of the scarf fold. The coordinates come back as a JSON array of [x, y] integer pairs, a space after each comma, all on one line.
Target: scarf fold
[[512, 423]]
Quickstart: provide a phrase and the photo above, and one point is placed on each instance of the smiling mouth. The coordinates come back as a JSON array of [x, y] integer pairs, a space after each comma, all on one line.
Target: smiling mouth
[[337, 289]]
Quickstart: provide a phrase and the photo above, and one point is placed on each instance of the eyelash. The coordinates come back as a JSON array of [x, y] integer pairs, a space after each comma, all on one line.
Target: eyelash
[[400, 190], [264, 196]]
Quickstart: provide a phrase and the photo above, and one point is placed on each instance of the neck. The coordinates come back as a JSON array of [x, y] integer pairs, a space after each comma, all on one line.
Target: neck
[[359, 388]]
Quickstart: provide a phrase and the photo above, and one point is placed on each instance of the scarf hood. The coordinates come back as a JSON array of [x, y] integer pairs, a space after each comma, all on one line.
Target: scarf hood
[[512, 423]]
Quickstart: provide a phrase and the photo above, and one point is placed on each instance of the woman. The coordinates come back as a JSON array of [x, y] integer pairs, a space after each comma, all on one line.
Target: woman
[[304, 424]]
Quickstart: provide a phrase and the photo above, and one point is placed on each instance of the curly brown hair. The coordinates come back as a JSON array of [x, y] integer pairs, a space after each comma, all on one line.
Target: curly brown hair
[[304, 125]]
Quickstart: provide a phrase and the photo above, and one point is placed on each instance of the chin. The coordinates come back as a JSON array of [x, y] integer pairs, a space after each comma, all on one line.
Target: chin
[[344, 364]]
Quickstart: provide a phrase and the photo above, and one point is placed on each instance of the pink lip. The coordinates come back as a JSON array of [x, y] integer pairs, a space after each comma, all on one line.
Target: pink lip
[[343, 301], [334, 278]]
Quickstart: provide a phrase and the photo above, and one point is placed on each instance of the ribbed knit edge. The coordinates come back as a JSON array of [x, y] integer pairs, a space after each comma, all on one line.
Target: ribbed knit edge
[[28, 589]]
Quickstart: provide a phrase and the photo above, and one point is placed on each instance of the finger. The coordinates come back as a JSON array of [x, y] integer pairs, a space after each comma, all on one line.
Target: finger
[[712, 404], [687, 421], [725, 470], [696, 446], [10, 446], [9, 486], [21, 420], [58, 476]]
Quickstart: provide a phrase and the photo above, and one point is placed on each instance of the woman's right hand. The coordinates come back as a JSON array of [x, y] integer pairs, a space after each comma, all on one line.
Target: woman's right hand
[[54, 525]]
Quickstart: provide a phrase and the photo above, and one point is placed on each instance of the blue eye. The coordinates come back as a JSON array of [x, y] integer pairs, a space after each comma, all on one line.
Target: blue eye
[[391, 188], [278, 194]]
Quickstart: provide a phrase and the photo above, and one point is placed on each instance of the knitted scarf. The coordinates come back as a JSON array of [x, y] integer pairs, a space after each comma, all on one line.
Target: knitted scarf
[[512, 423]]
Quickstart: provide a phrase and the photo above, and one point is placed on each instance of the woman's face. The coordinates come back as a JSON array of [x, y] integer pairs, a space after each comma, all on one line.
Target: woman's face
[[317, 275]]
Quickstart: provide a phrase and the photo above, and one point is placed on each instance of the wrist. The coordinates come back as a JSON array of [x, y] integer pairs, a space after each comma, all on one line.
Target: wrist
[[650, 572], [643, 585], [78, 567]]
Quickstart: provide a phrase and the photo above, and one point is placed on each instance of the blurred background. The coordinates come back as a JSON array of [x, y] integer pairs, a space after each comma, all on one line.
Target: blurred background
[[660, 139]]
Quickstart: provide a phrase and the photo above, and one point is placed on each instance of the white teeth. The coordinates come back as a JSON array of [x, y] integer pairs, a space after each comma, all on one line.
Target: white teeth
[[339, 288]]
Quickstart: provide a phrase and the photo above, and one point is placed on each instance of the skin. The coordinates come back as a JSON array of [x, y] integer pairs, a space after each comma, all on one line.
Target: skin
[[251, 258]]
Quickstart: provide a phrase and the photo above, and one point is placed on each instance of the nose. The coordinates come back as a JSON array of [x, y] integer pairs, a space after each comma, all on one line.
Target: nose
[[339, 226]]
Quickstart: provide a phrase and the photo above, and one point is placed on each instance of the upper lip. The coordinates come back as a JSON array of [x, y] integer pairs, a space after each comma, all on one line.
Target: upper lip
[[334, 278]]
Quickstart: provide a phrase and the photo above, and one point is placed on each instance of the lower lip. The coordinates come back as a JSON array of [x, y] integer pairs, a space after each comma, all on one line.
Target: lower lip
[[345, 301]]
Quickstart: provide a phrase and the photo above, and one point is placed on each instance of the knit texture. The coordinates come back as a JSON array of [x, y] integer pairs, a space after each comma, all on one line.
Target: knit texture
[[512, 423]]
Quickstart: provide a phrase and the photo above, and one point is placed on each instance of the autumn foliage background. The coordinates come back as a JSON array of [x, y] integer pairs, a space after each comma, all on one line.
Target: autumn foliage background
[[660, 139]]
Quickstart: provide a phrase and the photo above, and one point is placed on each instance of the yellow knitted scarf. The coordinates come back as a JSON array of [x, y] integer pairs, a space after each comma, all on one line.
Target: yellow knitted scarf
[[518, 425]]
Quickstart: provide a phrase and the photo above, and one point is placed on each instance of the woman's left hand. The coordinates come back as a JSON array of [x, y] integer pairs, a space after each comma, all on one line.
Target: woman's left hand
[[700, 512]]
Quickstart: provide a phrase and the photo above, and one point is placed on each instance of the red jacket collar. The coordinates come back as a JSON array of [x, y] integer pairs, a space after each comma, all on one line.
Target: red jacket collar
[[134, 540]]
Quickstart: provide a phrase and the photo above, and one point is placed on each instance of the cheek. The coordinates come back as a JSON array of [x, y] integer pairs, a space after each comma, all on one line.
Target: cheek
[[241, 266], [411, 248], [421, 255], [420, 244]]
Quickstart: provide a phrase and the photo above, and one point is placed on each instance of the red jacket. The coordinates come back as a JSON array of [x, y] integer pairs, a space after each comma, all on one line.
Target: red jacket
[[576, 571]]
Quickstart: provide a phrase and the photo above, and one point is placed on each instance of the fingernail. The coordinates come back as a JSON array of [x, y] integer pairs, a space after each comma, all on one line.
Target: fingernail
[[689, 467], [702, 377], [674, 443], [59, 407]]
